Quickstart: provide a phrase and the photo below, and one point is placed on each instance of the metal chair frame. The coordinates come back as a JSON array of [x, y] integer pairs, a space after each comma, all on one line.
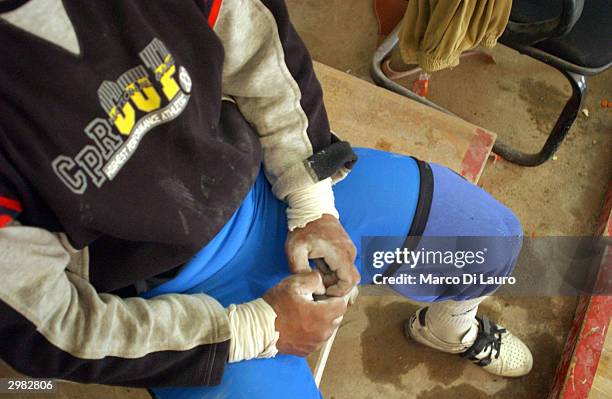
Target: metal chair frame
[[520, 37]]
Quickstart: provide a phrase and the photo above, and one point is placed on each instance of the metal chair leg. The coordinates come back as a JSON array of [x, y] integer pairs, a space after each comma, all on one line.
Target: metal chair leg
[[560, 130], [565, 121]]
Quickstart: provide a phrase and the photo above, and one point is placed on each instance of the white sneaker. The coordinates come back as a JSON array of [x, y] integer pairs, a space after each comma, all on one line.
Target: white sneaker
[[487, 345]]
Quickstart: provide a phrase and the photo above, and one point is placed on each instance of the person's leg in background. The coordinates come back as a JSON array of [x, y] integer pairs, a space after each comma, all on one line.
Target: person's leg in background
[[378, 199]]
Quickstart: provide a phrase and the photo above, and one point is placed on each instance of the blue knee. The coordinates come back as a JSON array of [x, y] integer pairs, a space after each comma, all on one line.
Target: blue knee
[[510, 242]]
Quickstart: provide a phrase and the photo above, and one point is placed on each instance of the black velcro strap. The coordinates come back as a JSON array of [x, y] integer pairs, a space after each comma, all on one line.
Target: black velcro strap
[[421, 214], [332, 158]]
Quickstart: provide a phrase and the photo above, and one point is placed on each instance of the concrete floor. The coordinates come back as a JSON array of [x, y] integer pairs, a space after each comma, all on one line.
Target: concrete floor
[[519, 99]]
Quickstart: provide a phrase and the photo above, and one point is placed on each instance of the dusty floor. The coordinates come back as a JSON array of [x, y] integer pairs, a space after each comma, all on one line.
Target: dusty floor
[[519, 99]]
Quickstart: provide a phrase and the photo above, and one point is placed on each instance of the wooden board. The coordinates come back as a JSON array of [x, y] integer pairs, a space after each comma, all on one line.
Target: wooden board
[[580, 373], [602, 385], [369, 116]]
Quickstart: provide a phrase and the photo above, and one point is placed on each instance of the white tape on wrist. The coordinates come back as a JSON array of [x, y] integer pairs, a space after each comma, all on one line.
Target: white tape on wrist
[[253, 331], [310, 203]]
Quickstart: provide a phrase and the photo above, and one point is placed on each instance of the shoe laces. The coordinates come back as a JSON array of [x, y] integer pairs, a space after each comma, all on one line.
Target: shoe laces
[[488, 342]]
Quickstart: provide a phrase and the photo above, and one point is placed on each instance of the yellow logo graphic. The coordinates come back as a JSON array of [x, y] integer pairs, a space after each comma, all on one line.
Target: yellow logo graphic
[[132, 94]]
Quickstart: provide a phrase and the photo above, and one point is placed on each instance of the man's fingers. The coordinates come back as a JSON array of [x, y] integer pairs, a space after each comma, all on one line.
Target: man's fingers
[[343, 266], [347, 276], [297, 258], [340, 289], [308, 283], [330, 279], [331, 308]]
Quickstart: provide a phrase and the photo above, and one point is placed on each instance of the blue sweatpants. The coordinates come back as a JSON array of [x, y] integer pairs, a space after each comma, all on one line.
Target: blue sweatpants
[[380, 197]]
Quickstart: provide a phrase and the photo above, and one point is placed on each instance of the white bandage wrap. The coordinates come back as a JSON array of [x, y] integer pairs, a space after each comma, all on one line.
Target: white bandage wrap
[[310, 203], [253, 331]]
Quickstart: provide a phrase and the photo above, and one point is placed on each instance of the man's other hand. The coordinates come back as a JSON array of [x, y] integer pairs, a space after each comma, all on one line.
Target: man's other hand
[[324, 238], [302, 323]]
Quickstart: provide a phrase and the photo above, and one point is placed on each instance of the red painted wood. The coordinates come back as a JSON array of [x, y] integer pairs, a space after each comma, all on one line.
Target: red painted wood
[[476, 155], [586, 338], [583, 367]]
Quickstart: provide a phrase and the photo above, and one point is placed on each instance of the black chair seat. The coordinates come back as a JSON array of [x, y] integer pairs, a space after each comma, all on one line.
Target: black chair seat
[[535, 10], [588, 44]]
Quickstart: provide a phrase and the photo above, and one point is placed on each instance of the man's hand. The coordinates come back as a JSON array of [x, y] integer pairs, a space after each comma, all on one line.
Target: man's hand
[[302, 323], [324, 238]]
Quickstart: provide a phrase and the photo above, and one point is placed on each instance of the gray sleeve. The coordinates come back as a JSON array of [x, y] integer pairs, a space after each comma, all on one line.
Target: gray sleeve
[[269, 73], [59, 326]]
